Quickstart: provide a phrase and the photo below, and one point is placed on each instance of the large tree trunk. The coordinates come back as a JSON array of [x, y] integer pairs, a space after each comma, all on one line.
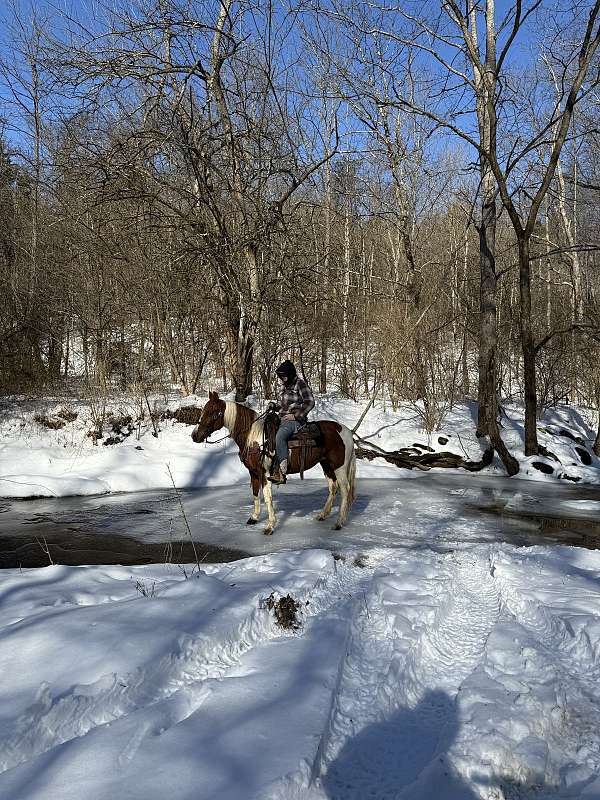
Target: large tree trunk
[[485, 84], [488, 334], [323, 364], [596, 447], [241, 353], [245, 363], [528, 349], [55, 356]]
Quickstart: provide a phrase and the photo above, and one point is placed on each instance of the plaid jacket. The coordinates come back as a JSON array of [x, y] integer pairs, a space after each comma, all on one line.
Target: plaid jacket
[[296, 399]]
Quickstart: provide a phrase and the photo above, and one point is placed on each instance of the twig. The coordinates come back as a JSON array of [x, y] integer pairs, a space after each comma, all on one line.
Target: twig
[[45, 548], [364, 414], [185, 519]]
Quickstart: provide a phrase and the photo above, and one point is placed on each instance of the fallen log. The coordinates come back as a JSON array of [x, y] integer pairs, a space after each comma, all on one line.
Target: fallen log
[[405, 459]]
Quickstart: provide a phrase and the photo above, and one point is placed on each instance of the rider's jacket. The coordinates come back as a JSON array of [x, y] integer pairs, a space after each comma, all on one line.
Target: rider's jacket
[[296, 399]]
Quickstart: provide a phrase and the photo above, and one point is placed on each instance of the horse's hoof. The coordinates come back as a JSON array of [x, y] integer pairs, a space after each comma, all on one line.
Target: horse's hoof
[[336, 527], [268, 531], [251, 521], [320, 517]]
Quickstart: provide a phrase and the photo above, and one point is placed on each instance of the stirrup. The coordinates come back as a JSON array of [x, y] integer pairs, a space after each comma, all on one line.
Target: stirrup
[[278, 478]]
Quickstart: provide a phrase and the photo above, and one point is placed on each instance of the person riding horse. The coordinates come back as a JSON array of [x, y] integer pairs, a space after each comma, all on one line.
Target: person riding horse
[[295, 401]]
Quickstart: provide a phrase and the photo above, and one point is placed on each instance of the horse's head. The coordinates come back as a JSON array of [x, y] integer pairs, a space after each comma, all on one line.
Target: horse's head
[[212, 418]]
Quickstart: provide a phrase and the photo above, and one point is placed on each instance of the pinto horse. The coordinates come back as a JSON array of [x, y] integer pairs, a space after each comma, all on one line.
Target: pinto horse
[[334, 452]]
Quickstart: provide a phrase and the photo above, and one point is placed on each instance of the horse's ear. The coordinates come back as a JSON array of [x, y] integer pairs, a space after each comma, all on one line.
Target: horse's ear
[[213, 396]]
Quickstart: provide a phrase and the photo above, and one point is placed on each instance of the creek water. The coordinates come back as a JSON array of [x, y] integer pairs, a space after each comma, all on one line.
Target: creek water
[[439, 510]]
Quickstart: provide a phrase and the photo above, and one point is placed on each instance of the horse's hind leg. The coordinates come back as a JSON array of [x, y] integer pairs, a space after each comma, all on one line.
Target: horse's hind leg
[[332, 485], [344, 484], [346, 478], [255, 482], [268, 495]]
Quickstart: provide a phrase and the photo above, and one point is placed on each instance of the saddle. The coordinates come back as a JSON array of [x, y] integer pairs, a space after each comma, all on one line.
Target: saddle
[[309, 436]]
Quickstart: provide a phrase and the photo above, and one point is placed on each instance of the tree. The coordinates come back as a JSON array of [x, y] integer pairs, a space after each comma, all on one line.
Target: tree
[[448, 46], [221, 143]]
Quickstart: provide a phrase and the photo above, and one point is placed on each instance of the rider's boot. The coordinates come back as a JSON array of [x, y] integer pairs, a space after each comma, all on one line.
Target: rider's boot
[[279, 473]]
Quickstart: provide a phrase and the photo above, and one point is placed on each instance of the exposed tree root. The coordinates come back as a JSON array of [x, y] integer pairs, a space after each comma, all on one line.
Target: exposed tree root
[[411, 458]]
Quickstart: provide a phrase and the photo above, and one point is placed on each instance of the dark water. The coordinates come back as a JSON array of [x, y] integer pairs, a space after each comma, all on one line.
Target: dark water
[[57, 547], [437, 510], [127, 529]]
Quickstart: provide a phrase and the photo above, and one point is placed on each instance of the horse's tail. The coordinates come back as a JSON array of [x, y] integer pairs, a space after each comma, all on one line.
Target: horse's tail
[[349, 463], [352, 476]]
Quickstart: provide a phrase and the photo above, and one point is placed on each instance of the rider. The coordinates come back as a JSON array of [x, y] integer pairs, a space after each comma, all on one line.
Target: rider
[[295, 401]]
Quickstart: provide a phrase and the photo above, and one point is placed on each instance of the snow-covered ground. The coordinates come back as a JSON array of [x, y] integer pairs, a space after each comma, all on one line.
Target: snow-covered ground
[[471, 674], [37, 461], [450, 667]]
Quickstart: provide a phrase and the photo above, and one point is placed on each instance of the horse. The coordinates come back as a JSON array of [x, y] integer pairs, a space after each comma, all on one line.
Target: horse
[[334, 451]]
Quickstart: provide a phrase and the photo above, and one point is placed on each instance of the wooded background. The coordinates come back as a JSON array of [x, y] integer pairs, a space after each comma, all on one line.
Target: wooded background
[[402, 199]]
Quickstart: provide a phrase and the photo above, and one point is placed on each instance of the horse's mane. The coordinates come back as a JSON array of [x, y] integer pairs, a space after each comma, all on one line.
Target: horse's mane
[[245, 426]]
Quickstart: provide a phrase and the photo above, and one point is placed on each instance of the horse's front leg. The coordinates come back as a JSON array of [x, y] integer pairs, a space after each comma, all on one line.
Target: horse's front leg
[[255, 483], [268, 495]]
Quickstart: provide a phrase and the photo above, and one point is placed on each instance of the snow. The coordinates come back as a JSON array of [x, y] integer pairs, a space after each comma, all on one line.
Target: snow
[[38, 462], [429, 660], [471, 674]]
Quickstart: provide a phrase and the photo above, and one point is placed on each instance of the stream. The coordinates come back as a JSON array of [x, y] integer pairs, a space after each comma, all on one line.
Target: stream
[[438, 510]]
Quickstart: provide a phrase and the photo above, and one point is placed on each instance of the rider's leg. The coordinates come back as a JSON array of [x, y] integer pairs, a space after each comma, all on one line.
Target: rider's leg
[[284, 434]]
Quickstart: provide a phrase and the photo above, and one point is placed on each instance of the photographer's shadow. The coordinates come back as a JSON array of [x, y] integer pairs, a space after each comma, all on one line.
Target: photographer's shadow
[[406, 754]]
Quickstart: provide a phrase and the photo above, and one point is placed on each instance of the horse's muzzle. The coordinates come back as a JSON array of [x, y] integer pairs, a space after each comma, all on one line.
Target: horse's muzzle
[[199, 436]]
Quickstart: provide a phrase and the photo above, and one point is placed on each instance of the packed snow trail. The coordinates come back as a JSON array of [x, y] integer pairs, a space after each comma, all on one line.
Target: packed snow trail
[[197, 659], [155, 697], [461, 676], [398, 660], [402, 722]]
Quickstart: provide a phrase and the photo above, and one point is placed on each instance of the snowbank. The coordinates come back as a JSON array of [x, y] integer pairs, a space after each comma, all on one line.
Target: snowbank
[[38, 461]]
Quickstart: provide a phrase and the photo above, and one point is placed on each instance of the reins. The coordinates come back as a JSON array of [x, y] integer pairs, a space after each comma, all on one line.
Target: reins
[[245, 430]]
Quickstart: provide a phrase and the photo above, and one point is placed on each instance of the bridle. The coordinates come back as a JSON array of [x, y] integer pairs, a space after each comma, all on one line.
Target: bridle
[[228, 435]]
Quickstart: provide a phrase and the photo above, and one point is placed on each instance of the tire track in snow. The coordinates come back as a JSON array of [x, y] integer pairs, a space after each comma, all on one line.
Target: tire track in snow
[[561, 685], [375, 744], [186, 677]]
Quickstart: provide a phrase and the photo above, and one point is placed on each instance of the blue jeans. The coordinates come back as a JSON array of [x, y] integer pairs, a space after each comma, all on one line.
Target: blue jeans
[[285, 432]]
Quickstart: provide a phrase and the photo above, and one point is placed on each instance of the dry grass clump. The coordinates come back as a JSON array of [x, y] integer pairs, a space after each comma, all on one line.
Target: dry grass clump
[[285, 610]]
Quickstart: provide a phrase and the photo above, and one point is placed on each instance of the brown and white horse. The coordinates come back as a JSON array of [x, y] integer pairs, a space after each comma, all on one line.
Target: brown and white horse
[[335, 454]]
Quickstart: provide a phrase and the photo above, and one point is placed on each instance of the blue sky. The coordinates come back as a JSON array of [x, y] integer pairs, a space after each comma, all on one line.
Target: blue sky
[[50, 13]]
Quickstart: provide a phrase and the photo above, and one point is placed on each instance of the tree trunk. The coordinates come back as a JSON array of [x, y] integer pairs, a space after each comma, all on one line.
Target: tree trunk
[[596, 447], [488, 333], [323, 364], [528, 349], [55, 355], [241, 350]]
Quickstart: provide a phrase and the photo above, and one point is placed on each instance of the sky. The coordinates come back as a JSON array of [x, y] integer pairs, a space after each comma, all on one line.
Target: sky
[[457, 103]]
